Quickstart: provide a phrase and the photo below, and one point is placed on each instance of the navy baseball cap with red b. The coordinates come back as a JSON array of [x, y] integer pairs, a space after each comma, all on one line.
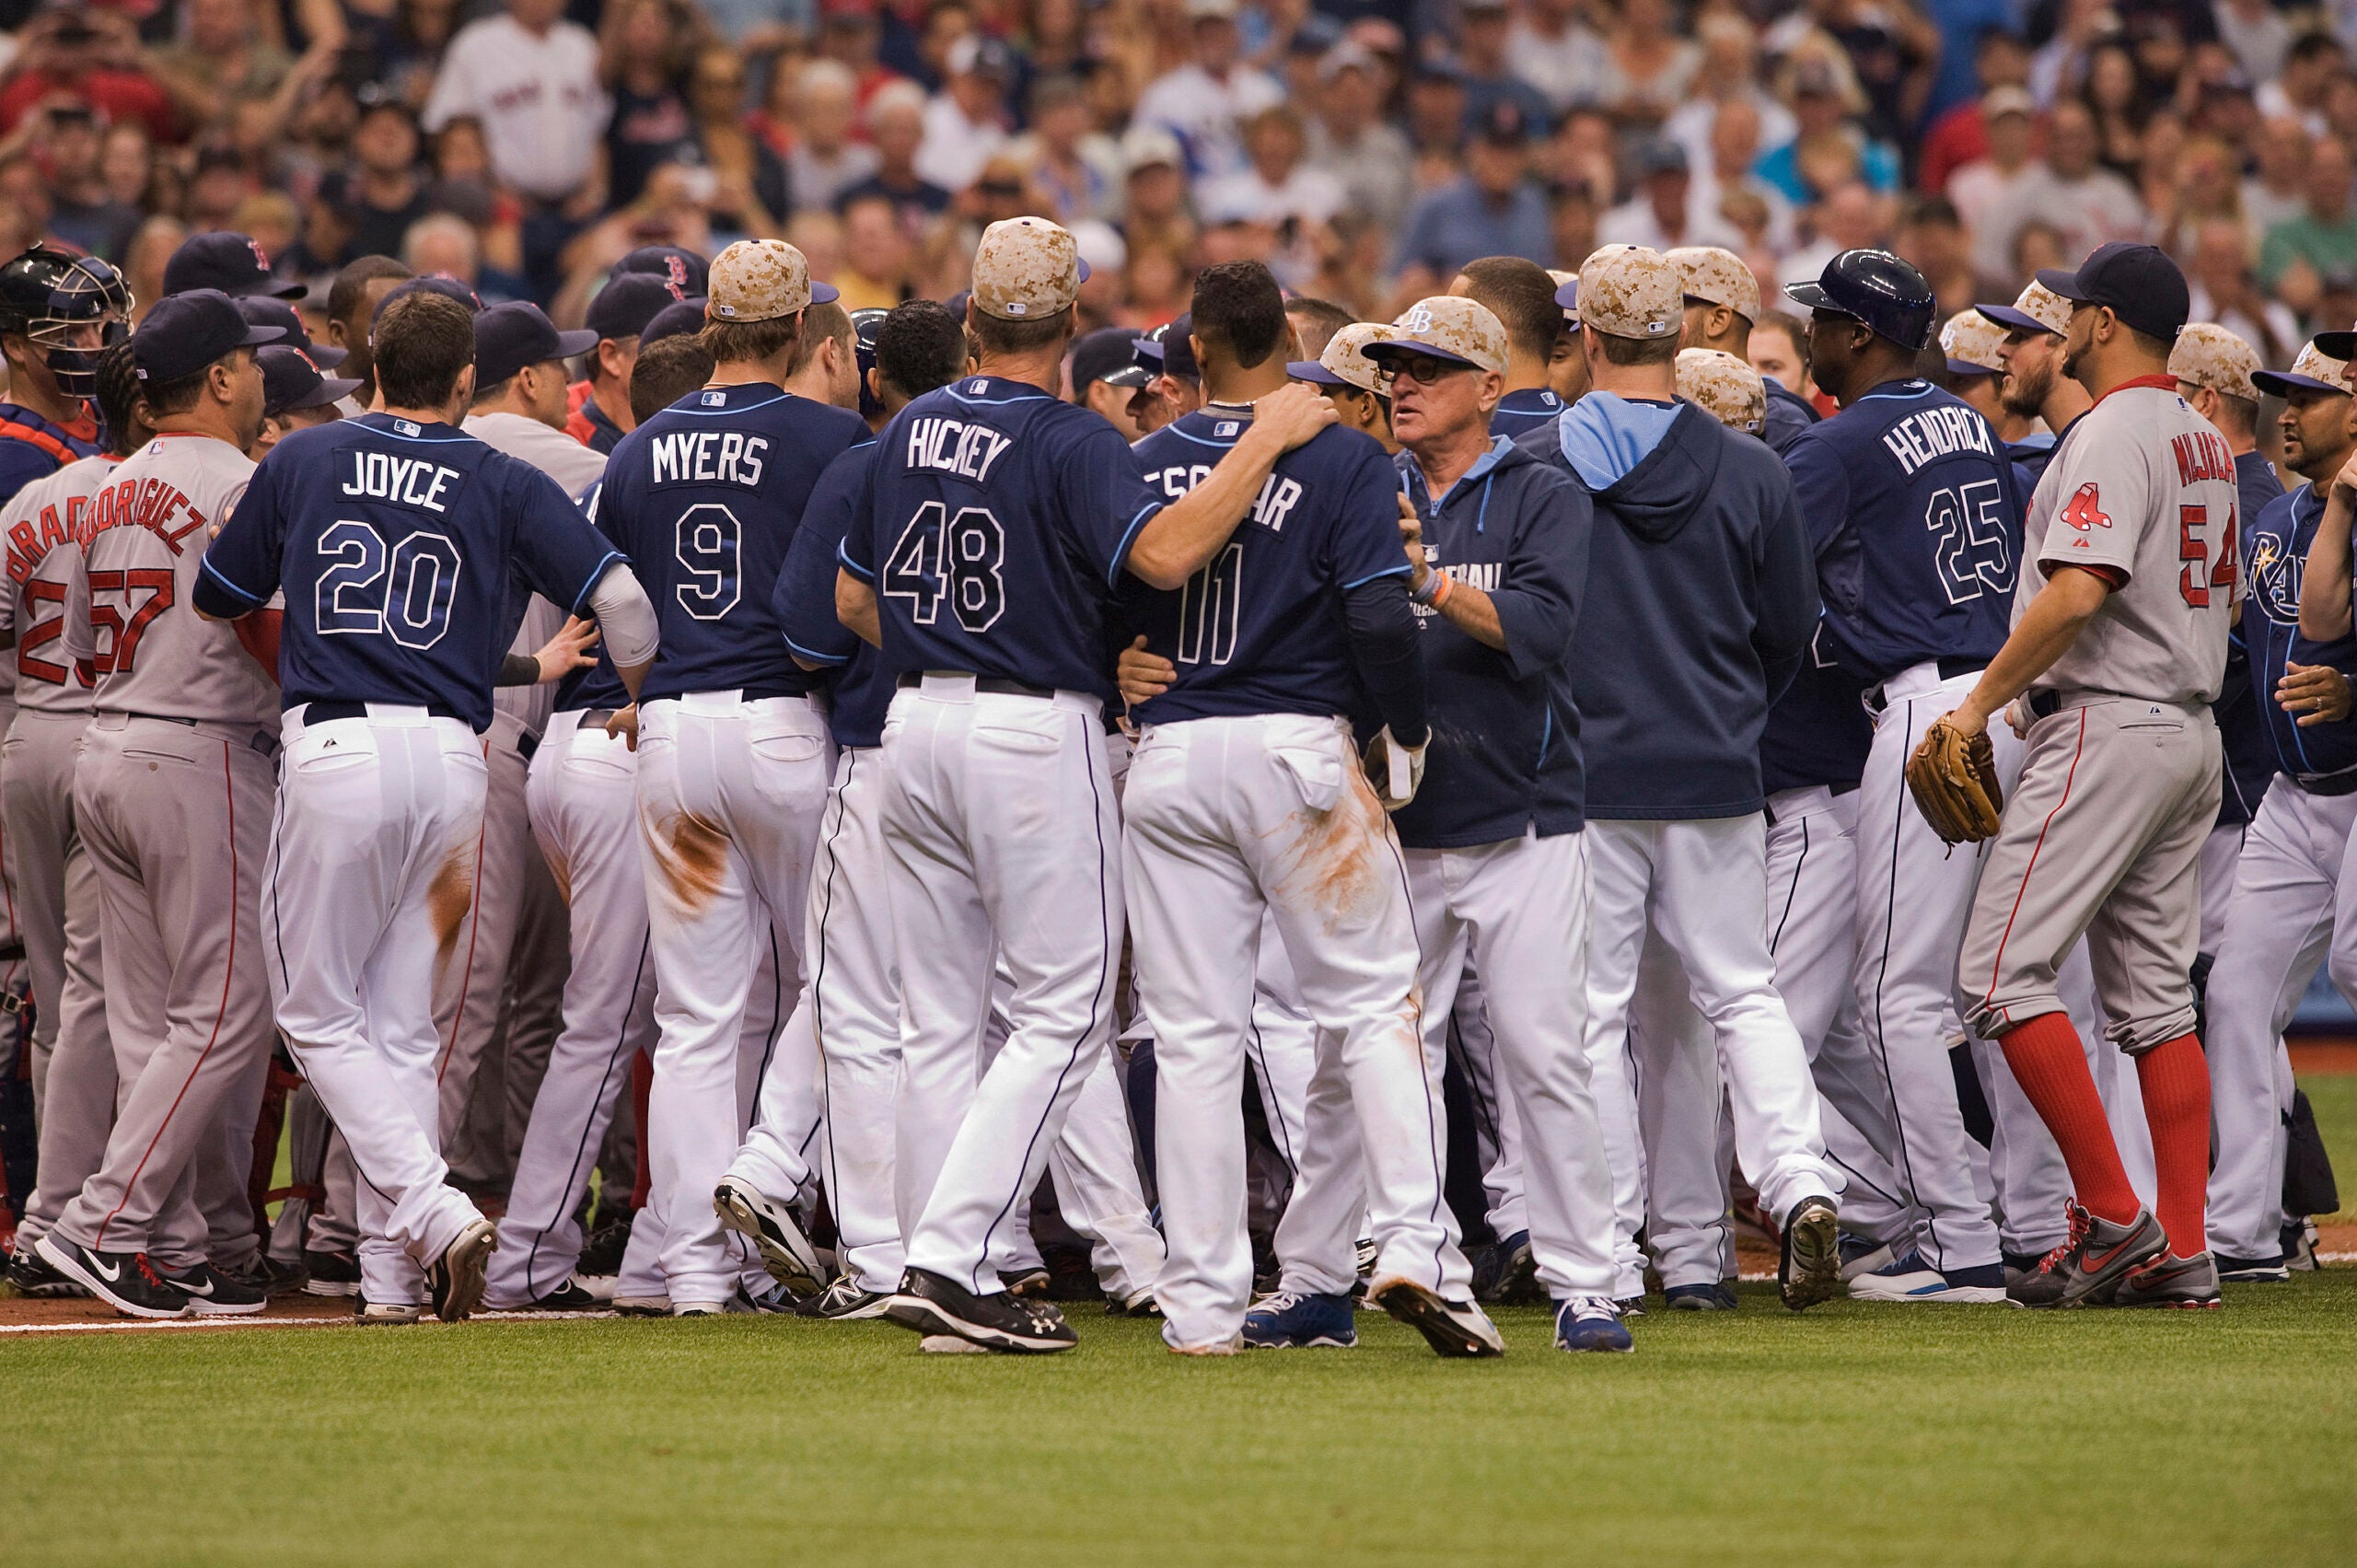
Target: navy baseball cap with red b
[[685, 273], [627, 303], [226, 260], [185, 333], [2138, 283]]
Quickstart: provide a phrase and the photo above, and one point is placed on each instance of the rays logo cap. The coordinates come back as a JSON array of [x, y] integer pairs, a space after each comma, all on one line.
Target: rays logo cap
[[1725, 387], [1970, 341], [1446, 326], [1026, 268], [760, 280], [1717, 276], [1631, 291], [1345, 362], [2039, 309], [2208, 356], [2314, 371]]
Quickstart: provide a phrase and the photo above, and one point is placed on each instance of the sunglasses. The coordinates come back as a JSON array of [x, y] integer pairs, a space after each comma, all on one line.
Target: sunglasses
[[1424, 367]]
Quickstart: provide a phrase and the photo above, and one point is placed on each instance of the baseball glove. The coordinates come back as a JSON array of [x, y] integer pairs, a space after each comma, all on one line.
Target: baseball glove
[[1954, 779]]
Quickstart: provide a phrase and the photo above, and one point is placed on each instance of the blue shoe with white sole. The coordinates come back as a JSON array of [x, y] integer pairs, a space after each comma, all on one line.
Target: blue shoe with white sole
[[1299, 1321], [1590, 1323], [1911, 1279]]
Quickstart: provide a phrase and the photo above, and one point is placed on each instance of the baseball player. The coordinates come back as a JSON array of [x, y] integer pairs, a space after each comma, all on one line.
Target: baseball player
[[1247, 795], [394, 536], [2217, 373], [57, 312], [1497, 865], [1974, 347], [617, 316], [294, 395], [1170, 384], [2284, 879], [2117, 649], [970, 562], [518, 409], [1518, 292], [733, 757], [2036, 386], [1359, 388], [171, 791], [52, 886], [1700, 581], [1916, 518], [1722, 303]]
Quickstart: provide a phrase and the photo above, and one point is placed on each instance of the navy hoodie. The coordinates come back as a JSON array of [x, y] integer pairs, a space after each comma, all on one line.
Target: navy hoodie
[[1506, 746], [1701, 598], [2322, 758], [2242, 728]]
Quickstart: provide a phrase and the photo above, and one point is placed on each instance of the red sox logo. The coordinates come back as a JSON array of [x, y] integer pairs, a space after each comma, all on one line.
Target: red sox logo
[[2084, 511], [260, 259], [675, 275]]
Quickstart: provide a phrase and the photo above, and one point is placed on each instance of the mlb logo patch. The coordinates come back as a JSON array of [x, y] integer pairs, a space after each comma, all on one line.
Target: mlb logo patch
[[712, 399], [1227, 427], [408, 427], [977, 387]]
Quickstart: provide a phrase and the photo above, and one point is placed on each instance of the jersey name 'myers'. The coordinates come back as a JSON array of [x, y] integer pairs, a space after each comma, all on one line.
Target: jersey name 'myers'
[[406, 482], [952, 446], [710, 456], [1937, 433], [2202, 454]]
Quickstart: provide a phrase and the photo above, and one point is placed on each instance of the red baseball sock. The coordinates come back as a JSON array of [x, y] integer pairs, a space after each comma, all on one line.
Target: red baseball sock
[[2175, 1077], [2051, 1067]]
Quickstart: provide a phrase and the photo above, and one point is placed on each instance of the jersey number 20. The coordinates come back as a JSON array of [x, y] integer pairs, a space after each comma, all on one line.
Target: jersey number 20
[[403, 593], [938, 556]]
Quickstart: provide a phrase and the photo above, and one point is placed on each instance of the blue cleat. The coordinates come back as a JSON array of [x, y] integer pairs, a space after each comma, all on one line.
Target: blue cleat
[[1714, 1296], [1291, 1321], [1590, 1323]]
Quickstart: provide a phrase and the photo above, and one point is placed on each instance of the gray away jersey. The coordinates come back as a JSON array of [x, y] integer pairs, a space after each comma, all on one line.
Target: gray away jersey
[[47, 524]]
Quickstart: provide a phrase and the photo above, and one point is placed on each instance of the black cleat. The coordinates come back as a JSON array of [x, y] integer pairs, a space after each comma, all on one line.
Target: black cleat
[[454, 1280], [212, 1294], [934, 1305], [30, 1274], [330, 1274], [1810, 1268], [568, 1298], [1453, 1328], [769, 1225], [127, 1281], [1715, 1297]]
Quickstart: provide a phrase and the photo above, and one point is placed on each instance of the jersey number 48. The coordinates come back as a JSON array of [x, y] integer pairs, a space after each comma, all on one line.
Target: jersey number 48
[[938, 556]]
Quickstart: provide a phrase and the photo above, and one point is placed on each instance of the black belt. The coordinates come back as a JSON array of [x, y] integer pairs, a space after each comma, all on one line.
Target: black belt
[[595, 718], [997, 686], [2325, 784], [327, 713], [261, 740], [1950, 666], [2046, 704]]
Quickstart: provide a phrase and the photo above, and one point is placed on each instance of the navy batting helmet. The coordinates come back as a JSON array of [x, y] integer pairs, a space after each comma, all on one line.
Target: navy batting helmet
[[865, 327], [1876, 287]]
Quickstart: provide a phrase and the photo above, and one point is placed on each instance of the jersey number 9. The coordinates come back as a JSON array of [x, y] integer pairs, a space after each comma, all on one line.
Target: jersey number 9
[[708, 542], [958, 558], [404, 593]]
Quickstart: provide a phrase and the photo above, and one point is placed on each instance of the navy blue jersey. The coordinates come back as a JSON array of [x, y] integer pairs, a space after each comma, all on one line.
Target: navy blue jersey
[[704, 499], [2275, 543], [1518, 412], [394, 542], [1260, 630], [2242, 730], [33, 448], [1788, 414], [1912, 509], [803, 602], [997, 520], [600, 685]]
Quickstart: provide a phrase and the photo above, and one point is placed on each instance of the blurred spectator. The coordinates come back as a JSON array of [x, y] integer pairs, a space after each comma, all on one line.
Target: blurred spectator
[[83, 212], [825, 161], [875, 273], [750, 191], [1078, 171], [1554, 49], [1484, 66], [2297, 90], [1203, 101], [2086, 205], [1961, 135], [1495, 209], [1827, 148], [2277, 190], [1651, 66], [895, 124], [2258, 34], [967, 121], [221, 57], [1726, 175], [1659, 214], [91, 57], [1350, 141], [1275, 188], [530, 80], [642, 63], [2321, 237], [1983, 189], [382, 193], [1155, 211], [2225, 289], [1729, 75]]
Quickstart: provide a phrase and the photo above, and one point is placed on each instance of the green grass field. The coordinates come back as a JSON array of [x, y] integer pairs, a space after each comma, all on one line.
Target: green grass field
[[2333, 1096], [1851, 1434]]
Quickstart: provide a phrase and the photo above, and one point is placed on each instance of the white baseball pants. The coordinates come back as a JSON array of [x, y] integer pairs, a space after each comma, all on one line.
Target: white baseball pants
[[367, 880], [1698, 887], [583, 795], [471, 977], [729, 796], [1227, 817], [53, 890], [1519, 911], [1004, 842], [1913, 895], [2290, 891]]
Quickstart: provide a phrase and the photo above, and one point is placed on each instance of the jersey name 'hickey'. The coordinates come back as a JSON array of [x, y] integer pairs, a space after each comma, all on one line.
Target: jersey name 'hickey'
[[952, 446], [1936, 433]]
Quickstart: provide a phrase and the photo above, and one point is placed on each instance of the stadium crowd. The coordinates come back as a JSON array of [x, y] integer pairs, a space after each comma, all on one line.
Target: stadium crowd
[[1363, 150]]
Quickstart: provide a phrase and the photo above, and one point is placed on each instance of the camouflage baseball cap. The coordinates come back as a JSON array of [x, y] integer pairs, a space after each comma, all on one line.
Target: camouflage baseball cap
[[1449, 326], [1628, 291], [2039, 309], [1725, 387], [759, 280], [2314, 371], [1567, 293], [1027, 268], [1970, 341], [2208, 356], [1719, 277], [1342, 363]]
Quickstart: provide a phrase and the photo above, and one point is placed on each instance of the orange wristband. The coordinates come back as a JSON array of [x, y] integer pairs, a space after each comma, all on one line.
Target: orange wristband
[[1447, 586]]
